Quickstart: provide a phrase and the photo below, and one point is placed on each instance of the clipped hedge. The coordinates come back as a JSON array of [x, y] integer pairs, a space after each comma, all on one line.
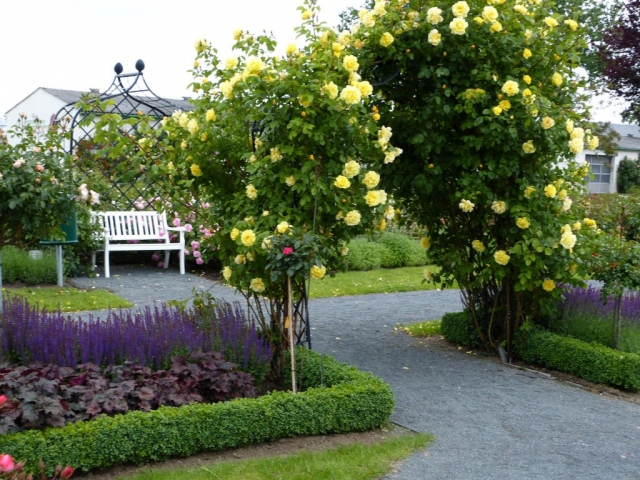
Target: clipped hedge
[[337, 399], [364, 255], [458, 328], [590, 361]]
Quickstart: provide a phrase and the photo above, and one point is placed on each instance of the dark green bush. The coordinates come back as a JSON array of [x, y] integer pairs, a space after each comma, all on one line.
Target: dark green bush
[[628, 175], [337, 399], [398, 247], [458, 328], [364, 255], [590, 361]]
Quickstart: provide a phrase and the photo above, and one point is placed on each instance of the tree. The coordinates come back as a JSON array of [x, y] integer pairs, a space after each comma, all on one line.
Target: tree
[[621, 56], [484, 101]]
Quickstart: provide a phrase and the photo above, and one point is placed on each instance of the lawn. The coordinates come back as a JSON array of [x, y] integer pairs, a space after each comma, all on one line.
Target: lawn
[[407, 279], [68, 299], [346, 462]]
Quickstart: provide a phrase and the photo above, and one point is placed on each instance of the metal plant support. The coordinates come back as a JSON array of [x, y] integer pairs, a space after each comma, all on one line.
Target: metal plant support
[[130, 97]]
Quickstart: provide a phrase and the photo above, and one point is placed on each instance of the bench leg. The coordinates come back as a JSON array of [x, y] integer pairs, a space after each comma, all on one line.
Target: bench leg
[[167, 256], [182, 261], [93, 261], [107, 273]]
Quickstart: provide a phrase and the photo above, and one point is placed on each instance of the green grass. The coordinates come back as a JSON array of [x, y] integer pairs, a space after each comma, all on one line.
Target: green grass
[[423, 329], [346, 462], [68, 299], [407, 279]]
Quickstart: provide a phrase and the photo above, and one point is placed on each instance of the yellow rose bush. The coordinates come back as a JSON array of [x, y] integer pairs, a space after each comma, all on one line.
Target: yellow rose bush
[[483, 99]]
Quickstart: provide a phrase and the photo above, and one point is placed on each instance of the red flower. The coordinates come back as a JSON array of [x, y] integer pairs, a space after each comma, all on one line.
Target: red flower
[[3, 400], [6, 463], [287, 250], [67, 472]]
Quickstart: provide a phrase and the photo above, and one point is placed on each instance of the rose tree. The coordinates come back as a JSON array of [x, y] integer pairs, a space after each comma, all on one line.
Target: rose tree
[[483, 98]]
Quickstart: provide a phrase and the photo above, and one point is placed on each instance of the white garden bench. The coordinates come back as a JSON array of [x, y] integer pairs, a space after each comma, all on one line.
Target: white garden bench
[[121, 228]]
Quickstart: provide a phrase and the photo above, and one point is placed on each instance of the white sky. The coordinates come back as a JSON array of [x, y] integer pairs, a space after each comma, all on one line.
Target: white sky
[[74, 44]]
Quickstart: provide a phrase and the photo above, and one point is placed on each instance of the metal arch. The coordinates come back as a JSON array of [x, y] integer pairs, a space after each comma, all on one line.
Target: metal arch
[[131, 95]]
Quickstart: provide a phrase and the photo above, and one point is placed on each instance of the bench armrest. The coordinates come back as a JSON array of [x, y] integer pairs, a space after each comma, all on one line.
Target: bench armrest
[[177, 229]]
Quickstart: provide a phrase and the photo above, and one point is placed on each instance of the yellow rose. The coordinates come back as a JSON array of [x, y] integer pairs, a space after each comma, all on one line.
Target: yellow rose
[[389, 213], [572, 24], [497, 110], [521, 9], [478, 246], [458, 26], [252, 193], [547, 122], [344, 251], [569, 126], [195, 170], [556, 79], [234, 234], [594, 142], [352, 218], [434, 37], [434, 16], [307, 14], [282, 227], [184, 145], [551, 22], [210, 115], [548, 285], [527, 79], [342, 182], [291, 49], [350, 63], [371, 179], [510, 88], [266, 243], [460, 9], [577, 132], [351, 169], [331, 89], [528, 191], [337, 49], [496, 27], [248, 238], [237, 34], [589, 223], [254, 64], [528, 147], [386, 39], [576, 145], [499, 207], [489, 14], [550, 191], [200, 45], [577, 226], [275, 155], [257, 285], [425, 242], [290, 180], [226, 273], [501, 257], [568, 240], [231, 63], [240, 259], [505, 104], [373, 198], [318, 272], [226, 88], [466, 206], [523, 223], [562, 194], [351, 95], [365, 88], [527, 53]]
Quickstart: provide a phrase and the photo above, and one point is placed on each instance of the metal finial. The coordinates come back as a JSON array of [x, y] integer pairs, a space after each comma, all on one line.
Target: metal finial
[[118, 68], [139, 65]]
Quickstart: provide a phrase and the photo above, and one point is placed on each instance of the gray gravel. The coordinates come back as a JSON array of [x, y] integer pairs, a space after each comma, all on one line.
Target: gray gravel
[[489, 420]]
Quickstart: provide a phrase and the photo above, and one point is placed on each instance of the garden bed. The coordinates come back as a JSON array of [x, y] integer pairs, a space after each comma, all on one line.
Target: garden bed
[[336, 398]]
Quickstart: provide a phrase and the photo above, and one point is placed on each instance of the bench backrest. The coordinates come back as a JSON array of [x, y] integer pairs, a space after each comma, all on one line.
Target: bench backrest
[[145, 225]]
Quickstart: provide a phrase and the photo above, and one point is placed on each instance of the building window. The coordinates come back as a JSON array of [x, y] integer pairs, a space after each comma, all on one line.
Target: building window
[[600, 178]]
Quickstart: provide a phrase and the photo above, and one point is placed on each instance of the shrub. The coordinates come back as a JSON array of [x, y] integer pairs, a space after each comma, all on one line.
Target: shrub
[[628, 175], [398, 247], [337, 399], [52, 396], [592, 362], [151, 337], [18, 266], [458, 328], [364, 255], [607, 210]]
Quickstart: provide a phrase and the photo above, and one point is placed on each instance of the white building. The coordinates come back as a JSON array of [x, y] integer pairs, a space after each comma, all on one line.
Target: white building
[[605, 167]]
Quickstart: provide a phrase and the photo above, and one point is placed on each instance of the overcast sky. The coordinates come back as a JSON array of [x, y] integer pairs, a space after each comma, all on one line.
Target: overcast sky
[[74, 44]]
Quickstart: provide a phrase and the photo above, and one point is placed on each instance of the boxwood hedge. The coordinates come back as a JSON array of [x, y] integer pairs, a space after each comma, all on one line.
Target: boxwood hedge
[[335, 398], [590, 361]]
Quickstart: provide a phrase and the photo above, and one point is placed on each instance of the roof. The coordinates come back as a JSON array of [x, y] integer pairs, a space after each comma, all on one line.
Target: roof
[[629, 136]]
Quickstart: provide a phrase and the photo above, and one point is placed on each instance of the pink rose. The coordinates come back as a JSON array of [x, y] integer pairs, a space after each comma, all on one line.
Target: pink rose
[[155, 257], [40, 167], [195, 245], [6, 463], [176, 222], [196, 254], [66, 473], [287, 250], [199, 261], [160, 264], [188, 227]]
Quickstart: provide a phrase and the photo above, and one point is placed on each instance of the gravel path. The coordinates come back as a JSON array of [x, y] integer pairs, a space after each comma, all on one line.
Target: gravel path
[[489, 420]]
